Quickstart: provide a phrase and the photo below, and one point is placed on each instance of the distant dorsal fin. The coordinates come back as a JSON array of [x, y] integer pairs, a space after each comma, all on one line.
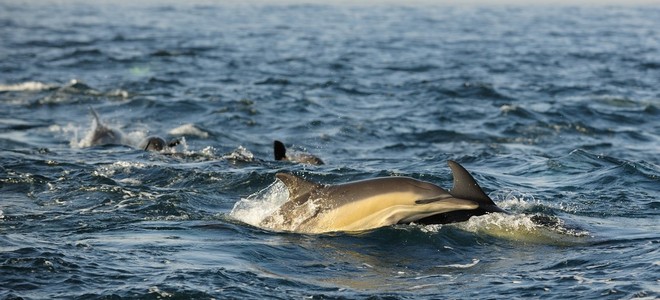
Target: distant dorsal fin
[[465, 187], [279, 150], [174, 142], [96, 117], [299, 188]]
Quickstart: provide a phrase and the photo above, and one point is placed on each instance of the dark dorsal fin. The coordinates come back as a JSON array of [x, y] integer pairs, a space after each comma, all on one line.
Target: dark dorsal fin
[[299, 188], [279, 150], [174, 142], [465, 187]]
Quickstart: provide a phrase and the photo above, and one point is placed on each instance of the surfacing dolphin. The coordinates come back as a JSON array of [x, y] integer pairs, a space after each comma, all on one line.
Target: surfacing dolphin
[[303, 158], [102, 134], [373, 203], [156, 143]]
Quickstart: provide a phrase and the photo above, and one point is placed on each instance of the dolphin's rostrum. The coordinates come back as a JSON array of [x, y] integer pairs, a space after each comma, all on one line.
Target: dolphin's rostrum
[[373, 203]]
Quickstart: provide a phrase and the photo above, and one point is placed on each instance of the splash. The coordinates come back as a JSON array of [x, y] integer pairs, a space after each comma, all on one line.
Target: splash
[[535, 229], [240, 154], [124, 167], [260, 205], [514, 200], [262, 209], [189, 129], [129, 139]]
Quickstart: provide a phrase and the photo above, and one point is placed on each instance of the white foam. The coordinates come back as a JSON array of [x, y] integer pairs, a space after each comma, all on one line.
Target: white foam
[[522, 228], [256, 207], [499, 222], [26, 86], [461, 266], [118, 93], [131, 139], [189, 129], [507, 108], [515, 200], [518, 201], [208, 151], [240, 153], [124, 167]]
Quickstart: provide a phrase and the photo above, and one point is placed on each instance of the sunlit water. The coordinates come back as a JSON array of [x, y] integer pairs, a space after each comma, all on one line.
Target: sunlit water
[[555, 110]]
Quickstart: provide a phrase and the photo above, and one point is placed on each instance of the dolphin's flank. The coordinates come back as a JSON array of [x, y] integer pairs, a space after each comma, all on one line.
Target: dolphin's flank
[[367, 204]]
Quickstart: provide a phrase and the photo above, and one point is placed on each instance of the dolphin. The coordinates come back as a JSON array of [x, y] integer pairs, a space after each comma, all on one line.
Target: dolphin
[[372, 203], [304, 158], [156, 143], [104, 135]]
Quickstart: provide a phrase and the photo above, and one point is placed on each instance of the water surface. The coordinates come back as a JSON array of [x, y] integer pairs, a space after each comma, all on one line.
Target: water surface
[[553, 109]]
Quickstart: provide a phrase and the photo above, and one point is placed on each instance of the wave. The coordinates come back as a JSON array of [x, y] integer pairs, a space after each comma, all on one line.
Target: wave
[[461, 266], [71, 92], [189, 129], [536, 229], [258, 206], [27, 86]]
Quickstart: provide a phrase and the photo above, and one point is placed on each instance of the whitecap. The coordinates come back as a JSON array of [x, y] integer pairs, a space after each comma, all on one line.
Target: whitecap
[[461, 266], [26, 86], [240, 154], [189, 129]]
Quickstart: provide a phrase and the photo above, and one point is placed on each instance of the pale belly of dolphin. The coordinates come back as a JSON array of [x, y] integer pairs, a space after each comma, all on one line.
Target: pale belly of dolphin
[[373, 212]]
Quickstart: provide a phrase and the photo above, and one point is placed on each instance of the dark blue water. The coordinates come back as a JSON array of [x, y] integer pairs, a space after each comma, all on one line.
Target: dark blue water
[[554, 109]]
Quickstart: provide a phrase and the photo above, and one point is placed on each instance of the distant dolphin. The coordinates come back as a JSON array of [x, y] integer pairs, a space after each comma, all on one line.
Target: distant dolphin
[[304, 158], [104, 135], [373, 203], [156, 143]]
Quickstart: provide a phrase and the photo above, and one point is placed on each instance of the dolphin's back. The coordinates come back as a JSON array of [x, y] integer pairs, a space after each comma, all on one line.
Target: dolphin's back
[[364, 189], [380, 202], [102, 134]]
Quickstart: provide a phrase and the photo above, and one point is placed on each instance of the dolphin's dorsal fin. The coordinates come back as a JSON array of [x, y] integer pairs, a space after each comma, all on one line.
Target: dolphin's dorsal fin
[[174, 142], [279, 150], [465, 187], [96, 117], [299, 188]]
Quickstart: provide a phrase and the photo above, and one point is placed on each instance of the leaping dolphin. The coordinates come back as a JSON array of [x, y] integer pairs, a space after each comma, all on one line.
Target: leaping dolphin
[[372, 203]]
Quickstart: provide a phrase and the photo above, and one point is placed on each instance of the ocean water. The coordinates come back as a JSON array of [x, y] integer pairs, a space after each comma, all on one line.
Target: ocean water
[[554, 109]]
